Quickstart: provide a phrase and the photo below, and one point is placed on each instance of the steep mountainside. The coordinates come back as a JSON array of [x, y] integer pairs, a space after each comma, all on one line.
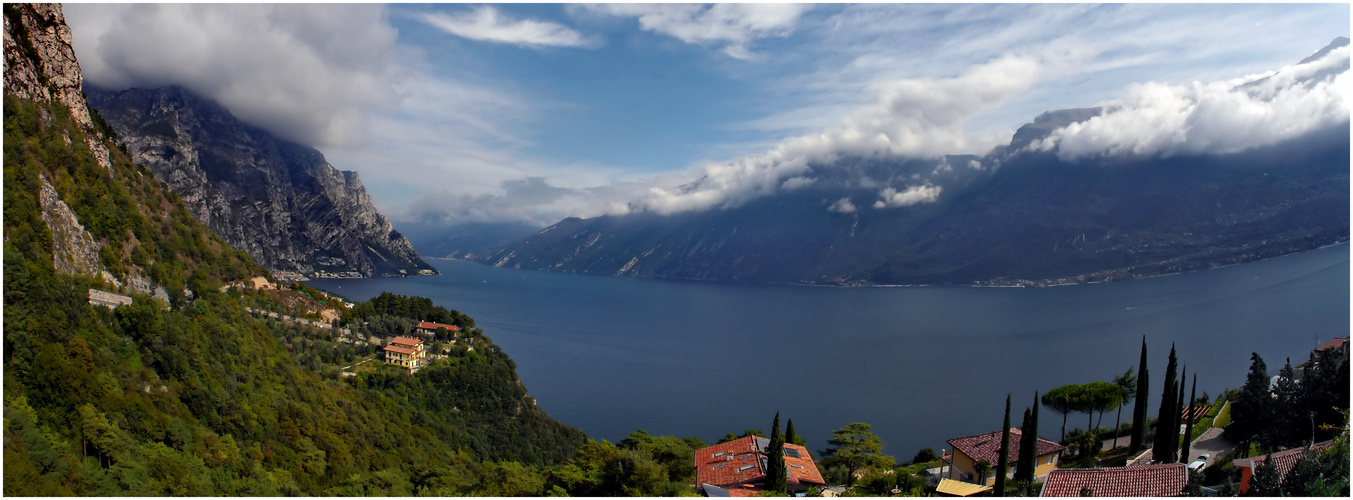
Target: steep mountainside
[[278, 200], [189, 394], [1016, 215]]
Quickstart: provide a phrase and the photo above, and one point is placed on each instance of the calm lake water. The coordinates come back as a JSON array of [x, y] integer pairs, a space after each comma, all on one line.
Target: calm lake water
[[923, 365]]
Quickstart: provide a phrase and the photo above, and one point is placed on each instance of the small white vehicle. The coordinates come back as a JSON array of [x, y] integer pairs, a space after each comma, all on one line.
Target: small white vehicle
[[1197, 465]]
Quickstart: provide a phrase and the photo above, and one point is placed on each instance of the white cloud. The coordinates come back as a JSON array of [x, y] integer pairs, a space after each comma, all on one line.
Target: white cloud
[[916, 118], [486, 24], [892, 198], [842, 206], [793, 183], [309, 73], [1218, 117], [728, 25]]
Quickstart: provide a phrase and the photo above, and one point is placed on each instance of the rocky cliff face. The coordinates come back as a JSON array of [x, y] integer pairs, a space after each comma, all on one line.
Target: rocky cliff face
[[74, 250], [40, 64], [279, 201]]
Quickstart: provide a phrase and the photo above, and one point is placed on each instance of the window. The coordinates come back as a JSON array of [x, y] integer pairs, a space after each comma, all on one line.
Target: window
[[745, 467]]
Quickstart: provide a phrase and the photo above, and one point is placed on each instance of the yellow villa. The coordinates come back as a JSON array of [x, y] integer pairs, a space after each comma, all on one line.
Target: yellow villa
[[968, 451], [406, 352]]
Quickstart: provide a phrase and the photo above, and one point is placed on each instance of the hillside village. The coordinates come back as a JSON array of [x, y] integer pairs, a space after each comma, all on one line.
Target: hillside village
[[1210, 455]]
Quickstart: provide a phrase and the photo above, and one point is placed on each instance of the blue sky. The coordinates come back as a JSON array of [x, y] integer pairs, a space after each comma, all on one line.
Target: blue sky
[[528, 113]]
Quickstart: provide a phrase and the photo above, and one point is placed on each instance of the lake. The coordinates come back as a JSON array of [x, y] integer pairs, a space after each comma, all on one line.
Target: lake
[[922, 365]]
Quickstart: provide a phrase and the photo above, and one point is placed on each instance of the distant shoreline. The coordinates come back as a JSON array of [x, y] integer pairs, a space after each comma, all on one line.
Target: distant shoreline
[[1084, 279]]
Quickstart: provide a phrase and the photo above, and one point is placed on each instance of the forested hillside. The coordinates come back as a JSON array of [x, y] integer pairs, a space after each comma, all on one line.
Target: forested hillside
[[195, 396]]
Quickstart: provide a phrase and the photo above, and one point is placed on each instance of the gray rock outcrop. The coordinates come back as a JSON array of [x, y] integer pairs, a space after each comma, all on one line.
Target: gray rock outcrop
[[74, 250], [277, 200]]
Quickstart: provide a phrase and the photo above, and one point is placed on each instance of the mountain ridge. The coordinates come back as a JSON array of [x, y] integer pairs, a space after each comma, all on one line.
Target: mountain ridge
[[278, 200], [1019, 215]]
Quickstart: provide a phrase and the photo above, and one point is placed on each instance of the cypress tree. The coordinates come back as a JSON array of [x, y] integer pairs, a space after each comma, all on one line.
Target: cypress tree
[[1139, 410], [1028, 445], [1033, 436], [791, 436], [1165, 444], [1003, 460], [776, 470], [1188, 431], [1023, 465], [1179, 412]]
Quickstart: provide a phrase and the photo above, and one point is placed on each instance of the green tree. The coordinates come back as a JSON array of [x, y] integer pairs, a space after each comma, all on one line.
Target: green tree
[[981, 468], [1127, 391], [1194, 486], [1099, 396], [793, 437], [1265, 481], [1253, 406], [1188, 432], [1178, 414], [1028, 451], [1291, 425], [1064, 400], [857, 448], [1306, 471], [1325, 392], [1024, 466], [776, 471], [1139, 409], [924, 455], [1167, 431], [1003, 459]]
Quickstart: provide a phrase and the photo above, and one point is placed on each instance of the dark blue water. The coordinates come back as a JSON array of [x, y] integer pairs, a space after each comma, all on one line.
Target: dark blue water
[[923, 365]]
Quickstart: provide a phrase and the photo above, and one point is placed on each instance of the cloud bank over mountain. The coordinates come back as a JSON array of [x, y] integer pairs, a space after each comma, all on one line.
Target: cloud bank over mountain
[[927, 118], [1214, 118], [309, 73]]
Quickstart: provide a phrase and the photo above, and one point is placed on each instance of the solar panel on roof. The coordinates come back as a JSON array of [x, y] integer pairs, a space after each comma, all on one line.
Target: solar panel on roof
[[792, 453]]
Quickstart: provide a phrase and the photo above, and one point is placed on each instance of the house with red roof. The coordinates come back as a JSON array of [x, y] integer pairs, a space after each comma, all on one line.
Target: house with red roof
[[968, 451], [1160, 480], [1340, 343], [1284, 460], [406, 352], [430, 328], [738, 467]]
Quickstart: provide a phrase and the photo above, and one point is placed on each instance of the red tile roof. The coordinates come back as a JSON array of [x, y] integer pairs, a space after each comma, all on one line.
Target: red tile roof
[[739, 462], [988, 446], [1285, 460], [1339, 343], [1161, 480], [401, 350], [405, 341], [428, 325]]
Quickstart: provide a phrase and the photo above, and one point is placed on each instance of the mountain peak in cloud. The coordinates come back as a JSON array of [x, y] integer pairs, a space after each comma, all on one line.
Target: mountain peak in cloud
[[1337, 43], [1157, 119]]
